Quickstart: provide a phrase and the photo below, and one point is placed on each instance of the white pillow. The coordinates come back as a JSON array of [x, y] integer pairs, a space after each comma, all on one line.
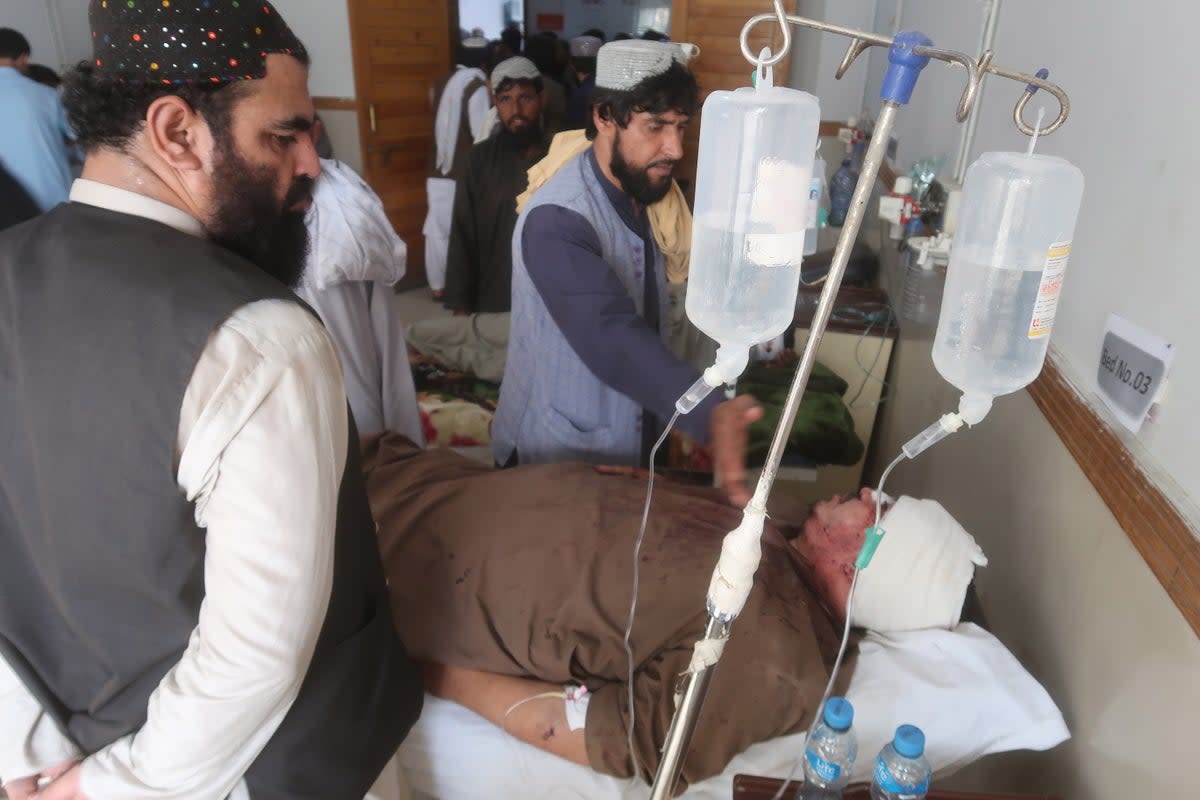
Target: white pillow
[[962, 688]]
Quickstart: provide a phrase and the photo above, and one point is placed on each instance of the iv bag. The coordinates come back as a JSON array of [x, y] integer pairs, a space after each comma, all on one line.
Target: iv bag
[[753, 173], [1006, 271]]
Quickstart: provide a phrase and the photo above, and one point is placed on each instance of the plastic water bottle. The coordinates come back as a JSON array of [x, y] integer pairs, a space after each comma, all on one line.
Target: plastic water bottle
[[829, 755], [922, 283], [841, 192], [1006, 270], [901, 771]]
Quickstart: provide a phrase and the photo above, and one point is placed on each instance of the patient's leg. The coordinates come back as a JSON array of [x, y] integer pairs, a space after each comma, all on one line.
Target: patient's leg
[[541, 722]]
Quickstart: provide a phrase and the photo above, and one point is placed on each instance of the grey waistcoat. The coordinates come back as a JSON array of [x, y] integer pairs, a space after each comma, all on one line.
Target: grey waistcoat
[[552, 407], [102, 318]]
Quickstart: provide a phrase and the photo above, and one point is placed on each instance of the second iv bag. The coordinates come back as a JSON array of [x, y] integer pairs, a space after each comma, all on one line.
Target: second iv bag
[[753, 173], [1006, 270]]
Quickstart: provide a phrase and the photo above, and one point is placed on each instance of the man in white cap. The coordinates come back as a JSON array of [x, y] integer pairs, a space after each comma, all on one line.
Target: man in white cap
[[479, 264], [589, 374], [583, 64], [459, 102]]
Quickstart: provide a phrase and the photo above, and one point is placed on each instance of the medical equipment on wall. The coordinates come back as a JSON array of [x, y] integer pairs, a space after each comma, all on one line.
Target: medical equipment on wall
[[908, 54], [756, 149]]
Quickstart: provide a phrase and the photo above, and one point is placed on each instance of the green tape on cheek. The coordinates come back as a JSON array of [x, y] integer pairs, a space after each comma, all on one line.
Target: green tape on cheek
[[874, 535]]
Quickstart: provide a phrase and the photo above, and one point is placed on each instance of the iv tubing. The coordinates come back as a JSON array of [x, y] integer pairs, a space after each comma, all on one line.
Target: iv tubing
[[637, 550], [837, 664], [688, 710]]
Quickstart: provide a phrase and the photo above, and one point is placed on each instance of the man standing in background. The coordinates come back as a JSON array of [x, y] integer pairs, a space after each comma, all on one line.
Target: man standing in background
[[34, 133], [459, 102], [479, 273], [583, 66]]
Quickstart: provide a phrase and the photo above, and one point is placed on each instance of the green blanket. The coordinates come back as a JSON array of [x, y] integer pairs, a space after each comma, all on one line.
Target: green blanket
[[823, 431]]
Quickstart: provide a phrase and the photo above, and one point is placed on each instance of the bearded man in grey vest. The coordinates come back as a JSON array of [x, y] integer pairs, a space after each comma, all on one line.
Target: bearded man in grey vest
[[589, 375], [192, 604]]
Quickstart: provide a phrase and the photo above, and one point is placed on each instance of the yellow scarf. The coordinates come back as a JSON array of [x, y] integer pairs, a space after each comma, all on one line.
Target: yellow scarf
[[670, 218]]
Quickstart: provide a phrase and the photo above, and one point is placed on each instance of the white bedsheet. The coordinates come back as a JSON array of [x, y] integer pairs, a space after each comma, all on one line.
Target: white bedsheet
[[963, 688]]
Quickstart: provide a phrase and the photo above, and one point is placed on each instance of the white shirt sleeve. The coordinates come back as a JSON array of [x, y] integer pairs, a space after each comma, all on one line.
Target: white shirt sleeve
[[262, 447], [477, 108], [29, 740]]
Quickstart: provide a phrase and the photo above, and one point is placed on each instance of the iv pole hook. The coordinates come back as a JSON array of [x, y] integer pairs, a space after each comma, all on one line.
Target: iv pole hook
[[779, 16]]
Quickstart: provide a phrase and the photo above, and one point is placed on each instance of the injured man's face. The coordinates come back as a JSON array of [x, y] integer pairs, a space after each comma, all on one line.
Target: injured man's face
[[830, 540]]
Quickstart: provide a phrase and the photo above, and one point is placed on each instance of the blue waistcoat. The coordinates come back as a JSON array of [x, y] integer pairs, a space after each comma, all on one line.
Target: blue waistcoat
[[552, 407]]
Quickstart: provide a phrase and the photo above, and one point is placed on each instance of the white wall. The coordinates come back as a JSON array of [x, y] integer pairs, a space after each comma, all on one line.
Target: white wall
[[1131, 255], [31, 18], [816, 56], [324, 27], [1065, 588], [927, 127], [1134, 249]]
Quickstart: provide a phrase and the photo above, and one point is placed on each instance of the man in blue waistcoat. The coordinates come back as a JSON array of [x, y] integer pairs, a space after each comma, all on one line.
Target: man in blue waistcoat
[[589, 374]]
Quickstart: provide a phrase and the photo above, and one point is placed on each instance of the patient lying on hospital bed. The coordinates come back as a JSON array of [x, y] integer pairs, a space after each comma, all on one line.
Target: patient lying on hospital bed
[[514, 583]]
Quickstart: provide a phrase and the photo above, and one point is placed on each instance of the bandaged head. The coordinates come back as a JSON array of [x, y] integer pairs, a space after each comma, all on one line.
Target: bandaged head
[[919, 575]]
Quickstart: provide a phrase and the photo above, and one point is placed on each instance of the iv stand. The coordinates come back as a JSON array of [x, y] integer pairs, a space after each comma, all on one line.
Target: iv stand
[[908, 54]]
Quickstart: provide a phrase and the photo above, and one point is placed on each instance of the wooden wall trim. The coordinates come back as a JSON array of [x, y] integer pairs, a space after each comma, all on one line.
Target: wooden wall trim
[[335, 104], [1164, 537]]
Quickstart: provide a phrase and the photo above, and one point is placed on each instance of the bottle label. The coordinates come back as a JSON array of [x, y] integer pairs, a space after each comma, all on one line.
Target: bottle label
[[1046, 304], [814, 200], [888, 782], [825, 770]]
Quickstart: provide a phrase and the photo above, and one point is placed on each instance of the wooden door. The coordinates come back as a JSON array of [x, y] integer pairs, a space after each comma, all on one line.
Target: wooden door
[[715, 27], [401, 47]]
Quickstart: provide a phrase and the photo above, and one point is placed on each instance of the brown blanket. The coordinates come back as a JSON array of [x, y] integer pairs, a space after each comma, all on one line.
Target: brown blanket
[[528, 572]]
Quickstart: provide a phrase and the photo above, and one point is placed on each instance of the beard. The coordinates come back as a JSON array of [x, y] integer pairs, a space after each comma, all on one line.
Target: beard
[[635, 182], [526, 136], [249, 221]]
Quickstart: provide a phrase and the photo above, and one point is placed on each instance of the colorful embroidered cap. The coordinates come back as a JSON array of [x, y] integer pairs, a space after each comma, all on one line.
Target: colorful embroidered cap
[[187, 41]]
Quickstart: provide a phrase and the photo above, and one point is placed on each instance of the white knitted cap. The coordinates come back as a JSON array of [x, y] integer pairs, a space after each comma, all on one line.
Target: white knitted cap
[[517, 68], [919, 575], [623, 65]]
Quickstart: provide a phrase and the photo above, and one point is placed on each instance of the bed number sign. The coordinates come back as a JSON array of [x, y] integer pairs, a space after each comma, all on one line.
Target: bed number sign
[[1133, 368]]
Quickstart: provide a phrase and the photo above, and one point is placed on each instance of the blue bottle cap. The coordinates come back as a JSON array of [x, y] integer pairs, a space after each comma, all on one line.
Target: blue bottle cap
[[839, 713], [909, 741]]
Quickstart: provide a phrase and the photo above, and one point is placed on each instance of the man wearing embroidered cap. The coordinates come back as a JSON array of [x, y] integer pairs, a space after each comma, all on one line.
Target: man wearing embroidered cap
[[589, 375], [193, 603], [583, 64], [479, 267]]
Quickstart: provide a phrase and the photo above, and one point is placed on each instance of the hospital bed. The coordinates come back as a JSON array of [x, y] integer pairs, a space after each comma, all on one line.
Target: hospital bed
[[963, 688]]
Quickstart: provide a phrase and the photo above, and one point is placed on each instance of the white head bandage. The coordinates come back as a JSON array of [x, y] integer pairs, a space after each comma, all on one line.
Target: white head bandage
[[623, 65], [920, 573], [517, 68], [475, 43], [586, 46]]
